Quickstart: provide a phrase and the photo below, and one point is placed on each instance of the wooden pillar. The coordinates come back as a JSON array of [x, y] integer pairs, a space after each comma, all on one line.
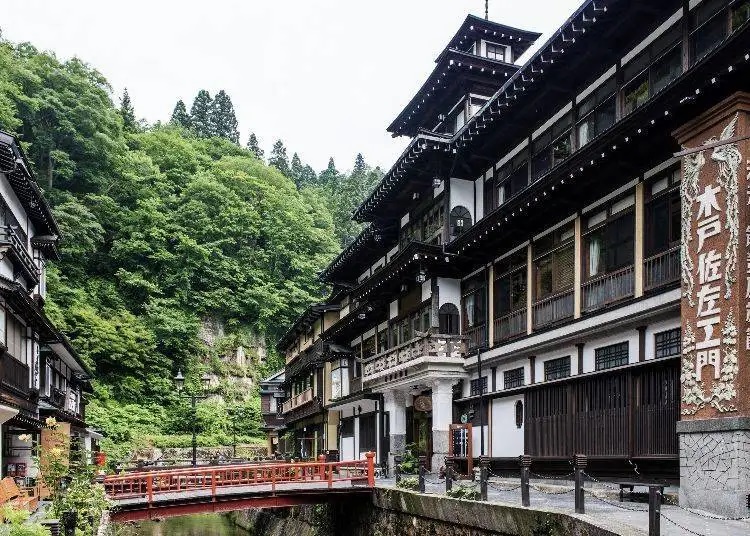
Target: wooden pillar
[[579, 347], [641, 343], [529, 290], [491, 306], [577, 266], [639, 240], [532, 372]]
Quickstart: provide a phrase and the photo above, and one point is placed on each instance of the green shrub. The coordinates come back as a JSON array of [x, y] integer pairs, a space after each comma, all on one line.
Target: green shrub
[[410, 483], [409, 461], [467, 492]]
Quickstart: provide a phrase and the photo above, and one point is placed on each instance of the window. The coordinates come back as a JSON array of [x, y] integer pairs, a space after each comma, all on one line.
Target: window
[[412, 324], [614, 355], [448, 316], [663, 214], [347, 427], [596, 112], [16, 338], [709, 24], [473, 301], [368, 347], [552, 147], [667, 343], [460, 220], [509, 181], [652, 69], [340, 379], [557, 368], [519, 413], [496, 52], [554, 264], [474, 386], [740, 14], [382, 341], [510, 285], [367, 433], [426, 227], [610, 246], [513, 378]]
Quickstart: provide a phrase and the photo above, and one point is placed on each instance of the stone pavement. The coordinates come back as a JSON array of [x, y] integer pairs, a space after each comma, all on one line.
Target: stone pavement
[[601, 501]]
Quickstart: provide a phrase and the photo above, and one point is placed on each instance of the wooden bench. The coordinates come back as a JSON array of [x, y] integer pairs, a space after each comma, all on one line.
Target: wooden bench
[[630, 486], [10, 493]]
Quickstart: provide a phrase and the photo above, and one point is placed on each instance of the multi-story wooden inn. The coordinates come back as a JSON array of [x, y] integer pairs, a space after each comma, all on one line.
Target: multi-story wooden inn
[[40, 373], [532, 269]]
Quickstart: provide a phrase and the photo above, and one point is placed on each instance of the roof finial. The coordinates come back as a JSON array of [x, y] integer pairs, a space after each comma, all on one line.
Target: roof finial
[[487, 9]]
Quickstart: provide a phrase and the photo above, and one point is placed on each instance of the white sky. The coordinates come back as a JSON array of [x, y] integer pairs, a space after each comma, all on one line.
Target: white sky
[[325, 76]]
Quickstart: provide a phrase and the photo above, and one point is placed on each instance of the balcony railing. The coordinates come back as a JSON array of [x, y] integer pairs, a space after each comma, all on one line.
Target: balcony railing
[[57, 397], [553, 309], [608, 288], [296, 401], [435, 346], [510, 325], [14, 373], [661, 269], [11, 238], [476, 336]]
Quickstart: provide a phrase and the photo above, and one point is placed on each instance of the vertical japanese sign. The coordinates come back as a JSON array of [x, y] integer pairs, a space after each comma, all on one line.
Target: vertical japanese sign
[[715, 264]]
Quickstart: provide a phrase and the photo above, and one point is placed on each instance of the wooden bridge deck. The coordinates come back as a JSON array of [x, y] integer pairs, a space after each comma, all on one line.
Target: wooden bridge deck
[[168, 493]]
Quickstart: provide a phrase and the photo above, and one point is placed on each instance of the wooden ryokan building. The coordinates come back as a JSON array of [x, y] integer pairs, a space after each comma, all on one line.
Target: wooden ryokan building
[[521, 268]]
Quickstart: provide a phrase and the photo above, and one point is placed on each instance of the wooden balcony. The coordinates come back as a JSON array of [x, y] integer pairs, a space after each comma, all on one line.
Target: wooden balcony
[[476, 337], [608, 289], [429, 349], [553, 309], [301, 399], [57, 397], [14, 244], [510, 325], [14, 374], [662, 269]]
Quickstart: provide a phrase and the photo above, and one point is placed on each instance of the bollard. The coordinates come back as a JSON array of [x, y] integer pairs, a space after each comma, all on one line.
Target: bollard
[[654, 511], [397, 467], [580, 465], [69, 519], [484, 473], [422, 471], [448, 474], [525, 461]]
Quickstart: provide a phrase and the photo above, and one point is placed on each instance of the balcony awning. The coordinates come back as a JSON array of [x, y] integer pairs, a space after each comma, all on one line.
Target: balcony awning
[[364, 400]]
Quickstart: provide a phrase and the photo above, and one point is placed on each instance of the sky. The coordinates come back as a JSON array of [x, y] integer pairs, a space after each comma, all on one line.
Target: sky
[[326, 76]]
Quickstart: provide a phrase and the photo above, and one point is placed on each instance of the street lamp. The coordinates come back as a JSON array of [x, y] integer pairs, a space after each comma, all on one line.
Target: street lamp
[[179, 382]]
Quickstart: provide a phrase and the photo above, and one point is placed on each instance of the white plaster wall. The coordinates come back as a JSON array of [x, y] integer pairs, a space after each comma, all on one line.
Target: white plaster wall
[[476, 440], [404, 219], [479, 198], [356, 439], [439, 190], [427, 290], [523, 362], [507, 439], [6, 268], [6, 190], [347, 448], [449, 291], [462, 194], [393, 309], [655, 328], [589, 350]]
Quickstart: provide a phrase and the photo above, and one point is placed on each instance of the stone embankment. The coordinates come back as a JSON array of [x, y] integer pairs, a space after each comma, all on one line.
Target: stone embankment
[[404, 513]]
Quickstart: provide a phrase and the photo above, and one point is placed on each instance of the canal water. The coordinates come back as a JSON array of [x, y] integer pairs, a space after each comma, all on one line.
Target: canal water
[[199, 525]]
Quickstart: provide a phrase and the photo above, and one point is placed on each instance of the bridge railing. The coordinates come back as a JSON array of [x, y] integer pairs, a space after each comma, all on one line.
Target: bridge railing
[[149, 485]]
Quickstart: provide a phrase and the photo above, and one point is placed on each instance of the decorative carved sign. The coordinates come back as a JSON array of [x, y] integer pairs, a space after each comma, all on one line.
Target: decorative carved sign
[[715, 302], [423, 403]]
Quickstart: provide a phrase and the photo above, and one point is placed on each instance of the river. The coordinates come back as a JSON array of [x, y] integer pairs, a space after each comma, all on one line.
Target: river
[[199, 525]]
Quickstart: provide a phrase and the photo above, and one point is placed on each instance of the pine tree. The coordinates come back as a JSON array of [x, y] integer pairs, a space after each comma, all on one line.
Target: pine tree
[[200, 114], [329, 176], [180, 116], [127, 112], [223, 119], [296, 171], [360, 167], [279, 159], [308, 177], [252, 145]]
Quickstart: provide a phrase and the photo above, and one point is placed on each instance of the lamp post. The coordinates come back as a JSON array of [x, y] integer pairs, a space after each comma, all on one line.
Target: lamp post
[[179, 382]]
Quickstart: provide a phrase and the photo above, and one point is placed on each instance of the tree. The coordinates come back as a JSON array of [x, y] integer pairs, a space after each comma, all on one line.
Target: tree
[[180, 116], [329, 176], [127, 112], [279, 158], [223, 119], [200, 114], [308, 177], [253, 147], [360, 167], [297, 170]]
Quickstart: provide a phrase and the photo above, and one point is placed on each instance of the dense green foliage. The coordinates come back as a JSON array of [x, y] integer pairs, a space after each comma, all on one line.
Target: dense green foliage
[[165, 226]]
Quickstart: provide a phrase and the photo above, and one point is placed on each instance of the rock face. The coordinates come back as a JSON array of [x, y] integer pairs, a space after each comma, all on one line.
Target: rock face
[[396, 512]]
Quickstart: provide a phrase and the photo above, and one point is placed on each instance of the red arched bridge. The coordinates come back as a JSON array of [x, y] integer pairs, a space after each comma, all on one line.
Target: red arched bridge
[[175, 492]]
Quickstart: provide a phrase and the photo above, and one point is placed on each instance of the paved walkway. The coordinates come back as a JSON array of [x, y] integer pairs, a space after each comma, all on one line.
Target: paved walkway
[[600, 501]]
